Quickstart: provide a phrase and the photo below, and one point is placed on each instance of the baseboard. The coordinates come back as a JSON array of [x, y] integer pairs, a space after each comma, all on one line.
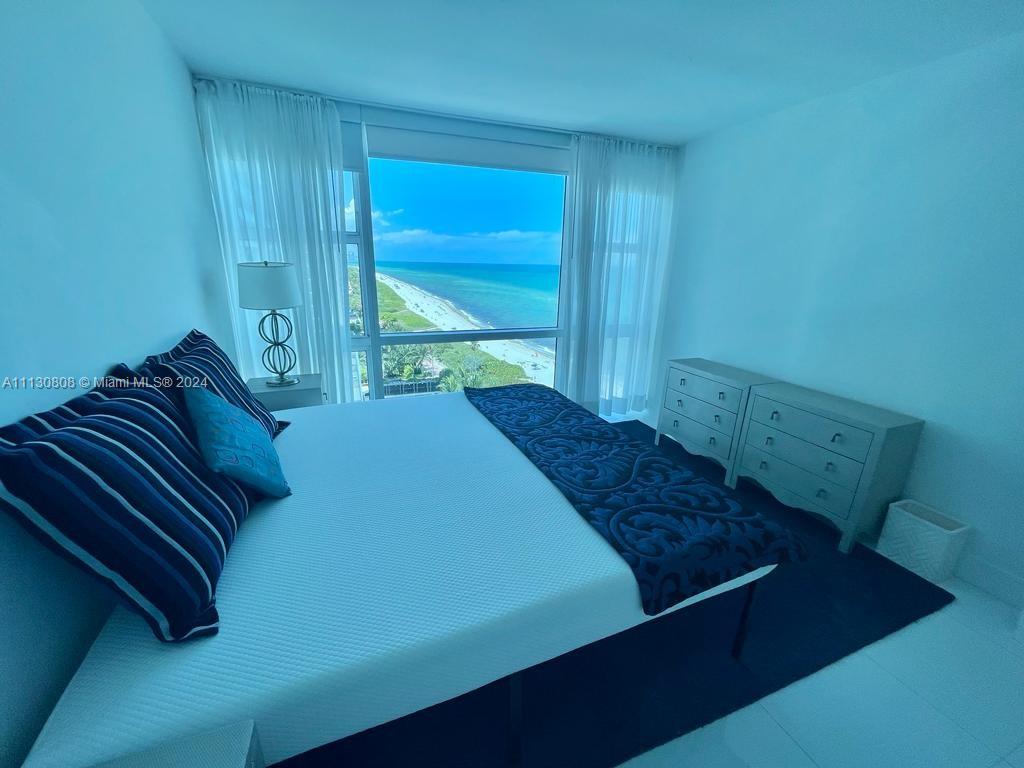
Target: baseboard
[[1007, 586]]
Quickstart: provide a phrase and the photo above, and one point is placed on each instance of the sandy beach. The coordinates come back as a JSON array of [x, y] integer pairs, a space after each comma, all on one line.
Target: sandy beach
[[539, 363]]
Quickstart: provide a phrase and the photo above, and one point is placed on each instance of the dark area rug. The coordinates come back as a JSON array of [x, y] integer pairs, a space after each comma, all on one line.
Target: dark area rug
[[808, 616], [616, 698]]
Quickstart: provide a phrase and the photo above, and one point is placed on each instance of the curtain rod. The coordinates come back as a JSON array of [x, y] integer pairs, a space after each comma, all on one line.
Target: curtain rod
[[431, 113]]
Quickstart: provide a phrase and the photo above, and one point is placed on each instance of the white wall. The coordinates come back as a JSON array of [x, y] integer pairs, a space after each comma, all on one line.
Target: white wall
[[871, 244], [108, 252]]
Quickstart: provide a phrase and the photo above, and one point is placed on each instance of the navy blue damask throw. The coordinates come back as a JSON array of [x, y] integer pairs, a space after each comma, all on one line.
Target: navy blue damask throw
[[679, 533]]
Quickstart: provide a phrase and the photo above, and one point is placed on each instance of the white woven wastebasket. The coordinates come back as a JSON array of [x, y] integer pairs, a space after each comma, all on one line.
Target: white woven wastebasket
[[922, 539]]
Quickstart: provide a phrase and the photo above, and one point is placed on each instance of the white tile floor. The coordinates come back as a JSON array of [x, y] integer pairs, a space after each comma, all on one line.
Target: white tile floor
[[946, 691]]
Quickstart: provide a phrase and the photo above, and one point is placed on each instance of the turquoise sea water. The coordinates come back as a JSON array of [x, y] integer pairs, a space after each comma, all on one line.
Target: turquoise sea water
[[498, 295]]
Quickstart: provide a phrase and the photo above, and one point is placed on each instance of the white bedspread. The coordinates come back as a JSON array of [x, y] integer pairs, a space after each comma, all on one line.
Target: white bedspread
[[420, 556]]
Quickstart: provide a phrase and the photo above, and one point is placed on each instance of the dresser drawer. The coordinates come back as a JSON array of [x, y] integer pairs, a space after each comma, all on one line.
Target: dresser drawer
[[831, 497], [686, 430], [816, 460], [833, 435], [723, 395], [698, 410]]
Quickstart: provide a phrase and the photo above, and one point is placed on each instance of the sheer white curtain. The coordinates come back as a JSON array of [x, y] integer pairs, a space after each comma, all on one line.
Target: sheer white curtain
[[621, 229], [275, 166]]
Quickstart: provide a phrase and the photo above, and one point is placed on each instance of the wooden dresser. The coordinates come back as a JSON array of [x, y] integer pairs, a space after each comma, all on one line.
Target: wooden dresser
[[836, 457], [704, 407]]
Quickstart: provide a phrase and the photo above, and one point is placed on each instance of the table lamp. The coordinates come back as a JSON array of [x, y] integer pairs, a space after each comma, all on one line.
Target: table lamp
[[272, 285]]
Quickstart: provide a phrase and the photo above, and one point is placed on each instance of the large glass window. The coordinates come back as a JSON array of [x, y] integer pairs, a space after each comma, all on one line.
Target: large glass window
[[448, 367], [472, 247], [467, 264]]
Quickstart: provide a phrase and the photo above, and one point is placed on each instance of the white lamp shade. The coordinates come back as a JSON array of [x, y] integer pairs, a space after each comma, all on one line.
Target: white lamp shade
[[268, 285]]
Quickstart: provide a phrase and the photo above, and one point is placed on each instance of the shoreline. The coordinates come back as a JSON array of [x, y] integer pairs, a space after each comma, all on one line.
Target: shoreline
[[538, 363]]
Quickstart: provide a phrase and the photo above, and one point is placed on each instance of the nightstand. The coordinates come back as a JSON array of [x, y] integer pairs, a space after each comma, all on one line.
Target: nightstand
[[835, 457], [704, 407], [309, 391], [234, 746]]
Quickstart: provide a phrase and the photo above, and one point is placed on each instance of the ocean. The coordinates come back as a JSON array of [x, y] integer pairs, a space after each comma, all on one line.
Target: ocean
[[498, 295]]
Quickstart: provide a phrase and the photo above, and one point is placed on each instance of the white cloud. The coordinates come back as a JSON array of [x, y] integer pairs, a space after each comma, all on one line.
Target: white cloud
[[412, 237], [511, 246], [470, 239], [383, 218], [519, 235]]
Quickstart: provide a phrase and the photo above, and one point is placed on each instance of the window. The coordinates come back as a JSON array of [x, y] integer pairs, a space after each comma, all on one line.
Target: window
[[466, 265], [361, 375], [355, 249], [356, 326]]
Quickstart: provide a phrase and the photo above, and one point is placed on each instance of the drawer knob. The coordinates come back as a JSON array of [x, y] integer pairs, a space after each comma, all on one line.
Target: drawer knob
[[718, 419], [711, 440], [830, 467], [721, 395], [675, 422], [679, 403], [837, 437], [774, 416], [763, 464], [822, 493], [682, 382], [769, 440]]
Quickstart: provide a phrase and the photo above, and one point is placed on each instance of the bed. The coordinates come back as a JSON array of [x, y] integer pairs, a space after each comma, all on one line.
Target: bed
[[421, 556]]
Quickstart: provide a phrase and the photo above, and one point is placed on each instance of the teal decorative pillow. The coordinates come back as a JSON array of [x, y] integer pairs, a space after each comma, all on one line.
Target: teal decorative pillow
[[234, 444]]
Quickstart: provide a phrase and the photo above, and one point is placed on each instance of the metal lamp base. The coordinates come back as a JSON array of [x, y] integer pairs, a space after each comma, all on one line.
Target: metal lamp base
[[278, 357]]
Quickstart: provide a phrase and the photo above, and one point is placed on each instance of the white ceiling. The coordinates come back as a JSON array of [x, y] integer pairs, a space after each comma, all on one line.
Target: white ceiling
[[663, 70]]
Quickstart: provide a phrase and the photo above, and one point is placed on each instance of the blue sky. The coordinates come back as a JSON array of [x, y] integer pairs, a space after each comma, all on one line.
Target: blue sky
[[454, 213]]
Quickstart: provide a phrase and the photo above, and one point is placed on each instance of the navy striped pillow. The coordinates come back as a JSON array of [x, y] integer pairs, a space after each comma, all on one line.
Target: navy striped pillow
[[120, 376], [119, 488], [197, 356]]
